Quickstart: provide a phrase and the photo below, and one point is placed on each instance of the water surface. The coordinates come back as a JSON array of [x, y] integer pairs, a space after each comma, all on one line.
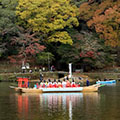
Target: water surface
[[102, 105]]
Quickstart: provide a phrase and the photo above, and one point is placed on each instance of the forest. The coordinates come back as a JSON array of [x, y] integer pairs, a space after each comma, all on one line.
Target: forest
[[85, 33]]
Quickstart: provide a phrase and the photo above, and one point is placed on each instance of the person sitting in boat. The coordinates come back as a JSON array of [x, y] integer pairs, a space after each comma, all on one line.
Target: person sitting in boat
[[41, 84], [105, 79], [44, 84], [67, 78], [35, 86], [73, 83], [49, 83], [59, 84], [64, 83], [55, 83], [68, 83]]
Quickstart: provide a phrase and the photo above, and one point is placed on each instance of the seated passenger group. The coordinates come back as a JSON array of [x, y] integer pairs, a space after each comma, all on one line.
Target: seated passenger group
[[56, 84]]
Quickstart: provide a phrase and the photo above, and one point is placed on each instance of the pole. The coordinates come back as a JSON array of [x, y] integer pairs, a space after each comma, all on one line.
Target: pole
[[70, 70]]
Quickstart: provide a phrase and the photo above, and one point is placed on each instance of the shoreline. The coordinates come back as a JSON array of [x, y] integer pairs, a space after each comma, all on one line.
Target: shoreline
[[34, 77]]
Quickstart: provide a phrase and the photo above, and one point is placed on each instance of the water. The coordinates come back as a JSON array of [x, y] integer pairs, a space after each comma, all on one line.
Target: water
[[102, 105]]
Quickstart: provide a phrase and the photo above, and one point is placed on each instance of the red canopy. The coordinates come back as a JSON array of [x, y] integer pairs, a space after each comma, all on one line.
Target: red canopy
[[21, 80]]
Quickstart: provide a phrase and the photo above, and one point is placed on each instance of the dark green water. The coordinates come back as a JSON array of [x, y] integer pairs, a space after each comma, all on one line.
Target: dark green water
[[102, 105]]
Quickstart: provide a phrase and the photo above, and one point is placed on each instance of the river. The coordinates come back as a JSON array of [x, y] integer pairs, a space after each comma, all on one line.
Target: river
[[102, 105]]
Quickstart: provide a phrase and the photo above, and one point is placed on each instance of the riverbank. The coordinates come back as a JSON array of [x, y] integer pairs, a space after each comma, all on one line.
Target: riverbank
[[12, 77], [93, 77]]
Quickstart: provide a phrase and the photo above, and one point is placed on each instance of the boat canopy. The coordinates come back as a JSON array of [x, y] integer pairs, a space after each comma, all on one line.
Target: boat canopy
[[23, 82]]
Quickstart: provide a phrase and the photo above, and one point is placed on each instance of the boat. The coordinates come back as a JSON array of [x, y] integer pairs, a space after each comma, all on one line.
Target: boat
[[106, 82], [23, 88], [91, 88]]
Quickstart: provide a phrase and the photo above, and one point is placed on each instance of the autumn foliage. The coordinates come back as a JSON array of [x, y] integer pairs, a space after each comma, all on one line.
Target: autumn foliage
[[104, 17], [27, 44], [83, 32]]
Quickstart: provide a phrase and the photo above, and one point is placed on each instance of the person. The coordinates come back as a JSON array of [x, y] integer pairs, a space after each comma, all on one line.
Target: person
[[35, 86], [67, 78], [68, 83], [87, 82], [80, 78], [43, 68], [52, 68], [99, 80], [23, 69], [55, 83], [41, 84], [30, 71], [49, 83], [73, 83], [105, 79], [64, 83], [41, 77], [28, 84], [35, 69], [59, 84]]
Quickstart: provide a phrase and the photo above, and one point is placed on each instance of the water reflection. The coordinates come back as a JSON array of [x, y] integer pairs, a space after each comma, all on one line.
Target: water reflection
[[23, 105], [104, 105], [61, 101], [91, 103], [55, 105]]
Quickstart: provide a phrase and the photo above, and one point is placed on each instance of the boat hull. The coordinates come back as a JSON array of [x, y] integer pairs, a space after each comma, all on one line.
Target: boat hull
[[59, 90], [106, 82], [92, 88]]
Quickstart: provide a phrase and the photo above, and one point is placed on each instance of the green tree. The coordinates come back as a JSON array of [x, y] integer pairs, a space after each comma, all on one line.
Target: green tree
[[44, 58], [87, 50], [78, 2], [48, 17], [7, 24]]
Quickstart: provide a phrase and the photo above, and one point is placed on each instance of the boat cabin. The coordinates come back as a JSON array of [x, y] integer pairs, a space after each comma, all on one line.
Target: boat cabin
[[23, 82]]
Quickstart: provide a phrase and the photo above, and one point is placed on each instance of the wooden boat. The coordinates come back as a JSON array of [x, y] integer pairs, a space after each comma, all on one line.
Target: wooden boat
[[106, 82], [23, 88], [92, 88]]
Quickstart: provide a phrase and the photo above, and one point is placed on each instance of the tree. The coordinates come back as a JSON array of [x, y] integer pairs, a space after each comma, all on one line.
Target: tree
[[7, 23], [44, 58], [49, 17], [78, 2], [107, 26], [27, 46], [87, 51], [103, 16]]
